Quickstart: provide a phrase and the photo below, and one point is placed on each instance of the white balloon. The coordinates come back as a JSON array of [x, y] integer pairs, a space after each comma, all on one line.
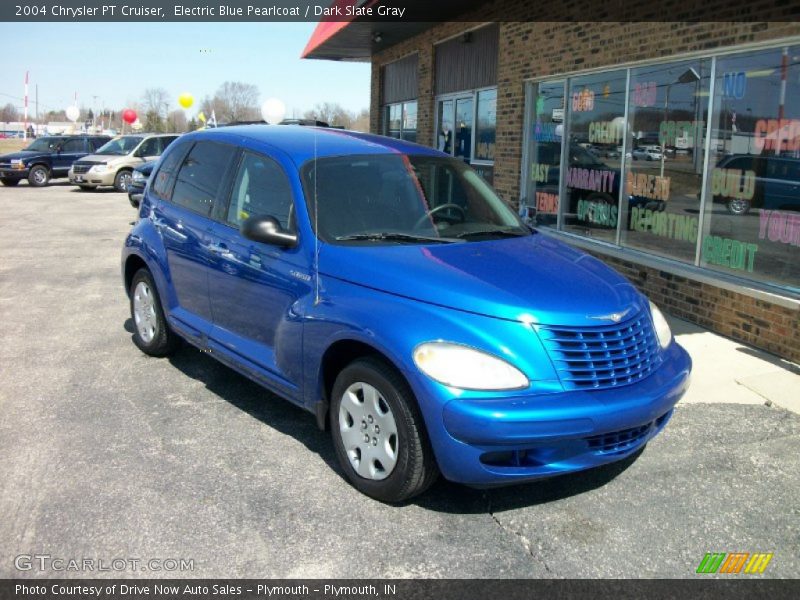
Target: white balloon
[[73, 113], [273, 110]]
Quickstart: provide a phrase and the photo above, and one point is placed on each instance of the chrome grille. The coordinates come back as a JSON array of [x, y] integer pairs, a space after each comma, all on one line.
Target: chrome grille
[[603, 357], [81, 168]]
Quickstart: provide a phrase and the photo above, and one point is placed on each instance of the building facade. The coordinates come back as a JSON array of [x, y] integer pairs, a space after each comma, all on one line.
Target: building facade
[[670, 150]]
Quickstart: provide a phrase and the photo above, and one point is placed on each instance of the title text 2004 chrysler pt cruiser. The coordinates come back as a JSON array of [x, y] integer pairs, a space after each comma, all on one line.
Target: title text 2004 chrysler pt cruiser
[[384, 287]]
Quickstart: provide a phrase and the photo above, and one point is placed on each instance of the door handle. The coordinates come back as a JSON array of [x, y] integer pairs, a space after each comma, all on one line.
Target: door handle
[[220, 249]]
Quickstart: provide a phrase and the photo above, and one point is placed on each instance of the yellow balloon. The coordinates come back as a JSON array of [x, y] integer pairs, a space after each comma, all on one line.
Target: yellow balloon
[[186, 100]]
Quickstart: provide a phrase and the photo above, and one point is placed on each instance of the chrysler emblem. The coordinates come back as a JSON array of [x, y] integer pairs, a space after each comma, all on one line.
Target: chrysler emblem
[[616, 317]]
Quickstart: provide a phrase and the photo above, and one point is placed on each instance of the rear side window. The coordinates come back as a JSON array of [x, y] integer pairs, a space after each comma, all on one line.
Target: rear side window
[[201, 175], [261, 188], [73, 146], [165, 176]]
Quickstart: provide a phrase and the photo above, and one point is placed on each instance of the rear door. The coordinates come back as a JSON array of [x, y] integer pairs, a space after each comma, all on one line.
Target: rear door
[[254, 287], [188, 183]]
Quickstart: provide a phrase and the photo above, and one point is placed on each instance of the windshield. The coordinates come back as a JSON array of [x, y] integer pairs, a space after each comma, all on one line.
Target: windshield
[[399, 199], [45, 144], [120, 146]]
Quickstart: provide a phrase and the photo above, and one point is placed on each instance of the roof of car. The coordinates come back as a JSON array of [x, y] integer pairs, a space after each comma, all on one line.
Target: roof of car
[[301, 143]]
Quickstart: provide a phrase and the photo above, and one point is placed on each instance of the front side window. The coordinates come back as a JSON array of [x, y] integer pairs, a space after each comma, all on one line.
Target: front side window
[[404, 199], [121, 146], [150, 147], [201, 176], [752, 219], [45, 144], [261, 189]]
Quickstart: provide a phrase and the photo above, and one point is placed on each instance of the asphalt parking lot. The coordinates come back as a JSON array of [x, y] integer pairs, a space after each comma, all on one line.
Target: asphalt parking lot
[[106, 453]]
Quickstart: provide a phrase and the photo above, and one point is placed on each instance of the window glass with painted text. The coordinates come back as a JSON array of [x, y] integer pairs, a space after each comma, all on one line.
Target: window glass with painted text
[[667, 113], [596, 105], [752, 220]]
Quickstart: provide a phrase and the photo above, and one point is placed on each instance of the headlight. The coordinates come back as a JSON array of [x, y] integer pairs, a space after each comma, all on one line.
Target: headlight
[[99, 168], [662, 327], [17, 164], [137, 176], [462, 367]]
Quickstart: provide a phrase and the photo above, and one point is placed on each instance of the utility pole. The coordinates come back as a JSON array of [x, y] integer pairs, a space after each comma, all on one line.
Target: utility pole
[[94, 112]]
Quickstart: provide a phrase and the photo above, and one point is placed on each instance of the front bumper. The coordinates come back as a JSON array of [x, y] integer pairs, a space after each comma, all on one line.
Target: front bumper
[[91, 177], [9, 173], [501, 440]]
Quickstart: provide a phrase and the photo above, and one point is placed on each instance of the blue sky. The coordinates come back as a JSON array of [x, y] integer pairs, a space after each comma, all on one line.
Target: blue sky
[[117, 61]]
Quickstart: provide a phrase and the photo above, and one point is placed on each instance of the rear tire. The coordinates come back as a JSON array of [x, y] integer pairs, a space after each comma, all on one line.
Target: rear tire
[[8, 181], [39, 176], [390, 464], [151, 334], [738, 207]]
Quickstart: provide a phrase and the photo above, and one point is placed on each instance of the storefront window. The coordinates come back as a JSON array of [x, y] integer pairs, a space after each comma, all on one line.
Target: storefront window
[[667, 112], [745, 221], [752, 219], [410, 121], [546, 129], [463, 132], [444, 136], [401, 121], [596, 105], [487, 125]]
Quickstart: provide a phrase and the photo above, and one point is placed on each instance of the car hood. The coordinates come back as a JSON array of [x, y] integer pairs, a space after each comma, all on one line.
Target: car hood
[[100, 158], [531, 279], [22, 155]]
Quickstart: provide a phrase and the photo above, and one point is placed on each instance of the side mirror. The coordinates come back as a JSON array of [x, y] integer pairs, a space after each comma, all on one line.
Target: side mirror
[[266, 229]]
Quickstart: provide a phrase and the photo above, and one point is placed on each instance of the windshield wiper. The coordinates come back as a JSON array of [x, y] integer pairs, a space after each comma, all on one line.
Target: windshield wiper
[[393, 237], [498, 232]]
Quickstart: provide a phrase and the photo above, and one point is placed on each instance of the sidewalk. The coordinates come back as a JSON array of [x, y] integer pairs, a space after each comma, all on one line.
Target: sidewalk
[[726, 371]]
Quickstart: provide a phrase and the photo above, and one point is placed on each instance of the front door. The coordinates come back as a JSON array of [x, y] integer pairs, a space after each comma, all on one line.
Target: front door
[[71, 150], [253, 287]]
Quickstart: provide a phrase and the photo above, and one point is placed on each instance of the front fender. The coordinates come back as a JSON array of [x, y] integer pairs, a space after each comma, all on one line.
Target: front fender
[[145, 242]]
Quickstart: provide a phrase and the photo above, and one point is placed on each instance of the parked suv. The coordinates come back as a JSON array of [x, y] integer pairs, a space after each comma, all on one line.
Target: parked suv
[[47, 158], [385, 288], [776, 184], [113, 164]]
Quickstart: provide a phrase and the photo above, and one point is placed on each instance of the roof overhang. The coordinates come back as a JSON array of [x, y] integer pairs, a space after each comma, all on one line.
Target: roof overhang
[[357, 38]]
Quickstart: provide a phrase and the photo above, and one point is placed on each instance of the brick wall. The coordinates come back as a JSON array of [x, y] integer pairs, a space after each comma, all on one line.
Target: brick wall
[[542, 48]]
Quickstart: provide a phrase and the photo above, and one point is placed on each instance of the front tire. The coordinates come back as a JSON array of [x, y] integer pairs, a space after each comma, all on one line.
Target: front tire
[[122, 180], [378, 433], [39, 176], [8, 181], [151, 334], [738, 207]]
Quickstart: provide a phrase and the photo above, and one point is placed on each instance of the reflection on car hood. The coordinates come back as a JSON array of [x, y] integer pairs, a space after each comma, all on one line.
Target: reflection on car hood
[[99, 158], [532, 278], [22, 154]]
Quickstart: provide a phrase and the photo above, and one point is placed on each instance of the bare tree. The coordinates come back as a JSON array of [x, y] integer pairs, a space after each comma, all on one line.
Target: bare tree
[[176, 121], [332, 113], [361, 122], [239, 101], [9, 113], [155, 102]]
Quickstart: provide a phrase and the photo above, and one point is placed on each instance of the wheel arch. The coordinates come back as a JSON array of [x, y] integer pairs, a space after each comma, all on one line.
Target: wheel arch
[[133, 263], [336, 357]]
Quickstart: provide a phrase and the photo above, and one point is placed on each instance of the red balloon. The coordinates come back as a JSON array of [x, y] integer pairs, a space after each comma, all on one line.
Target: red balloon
[[129, 116]]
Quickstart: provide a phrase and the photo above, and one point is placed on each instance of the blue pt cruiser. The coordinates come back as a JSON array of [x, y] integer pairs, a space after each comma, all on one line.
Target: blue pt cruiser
[[384, 287]]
